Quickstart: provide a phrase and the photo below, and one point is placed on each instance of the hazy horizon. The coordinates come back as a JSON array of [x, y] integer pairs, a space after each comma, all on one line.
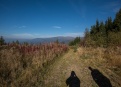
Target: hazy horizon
[[39, 37]]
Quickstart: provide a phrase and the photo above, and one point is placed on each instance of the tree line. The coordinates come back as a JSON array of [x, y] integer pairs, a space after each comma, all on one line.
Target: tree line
[[104, 34], [76, 41]]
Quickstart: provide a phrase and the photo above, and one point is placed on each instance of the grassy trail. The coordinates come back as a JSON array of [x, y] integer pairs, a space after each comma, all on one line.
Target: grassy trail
[[59, 71]]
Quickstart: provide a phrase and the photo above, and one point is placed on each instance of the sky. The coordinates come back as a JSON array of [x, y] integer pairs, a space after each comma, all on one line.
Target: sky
[[50, 18]]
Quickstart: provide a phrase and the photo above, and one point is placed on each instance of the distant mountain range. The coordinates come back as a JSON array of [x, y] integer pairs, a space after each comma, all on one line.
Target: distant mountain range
[[61, 39]]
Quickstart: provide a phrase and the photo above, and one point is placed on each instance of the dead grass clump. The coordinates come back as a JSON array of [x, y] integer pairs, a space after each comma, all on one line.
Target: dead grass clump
[[113, 56], [91, 52]]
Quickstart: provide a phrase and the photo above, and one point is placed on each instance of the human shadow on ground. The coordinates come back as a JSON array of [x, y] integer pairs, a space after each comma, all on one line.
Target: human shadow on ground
[[99, 78], [73, 80]]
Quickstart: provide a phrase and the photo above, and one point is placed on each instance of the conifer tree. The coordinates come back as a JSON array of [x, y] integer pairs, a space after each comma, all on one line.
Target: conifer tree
[[2, 41], [117, 21], [97, 26]]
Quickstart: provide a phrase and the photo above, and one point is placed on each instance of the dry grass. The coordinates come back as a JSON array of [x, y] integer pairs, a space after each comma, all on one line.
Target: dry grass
[[80, 61], [110, 55], [105, 58], [114, 56], [23, 65]]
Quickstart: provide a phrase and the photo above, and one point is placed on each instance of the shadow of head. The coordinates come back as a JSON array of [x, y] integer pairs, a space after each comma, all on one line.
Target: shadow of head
[[90, 68], [73, 74], [73, 80], [99, 78]]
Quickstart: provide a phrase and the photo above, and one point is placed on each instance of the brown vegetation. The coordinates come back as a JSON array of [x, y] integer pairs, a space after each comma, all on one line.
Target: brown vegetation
[[23, 65], [79, 61], [104, 58]]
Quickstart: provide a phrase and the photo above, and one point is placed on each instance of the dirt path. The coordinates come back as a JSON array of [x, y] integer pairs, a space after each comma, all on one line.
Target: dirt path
[[59, 71]]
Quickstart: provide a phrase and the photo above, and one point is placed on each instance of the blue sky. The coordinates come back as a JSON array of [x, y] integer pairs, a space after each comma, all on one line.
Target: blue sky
[[49, 18]]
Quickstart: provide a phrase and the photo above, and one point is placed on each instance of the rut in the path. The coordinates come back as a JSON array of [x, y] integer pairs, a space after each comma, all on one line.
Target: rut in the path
[[60, 71]]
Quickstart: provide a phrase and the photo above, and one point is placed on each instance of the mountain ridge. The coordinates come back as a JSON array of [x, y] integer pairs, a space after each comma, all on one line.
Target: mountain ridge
[[62, 39]]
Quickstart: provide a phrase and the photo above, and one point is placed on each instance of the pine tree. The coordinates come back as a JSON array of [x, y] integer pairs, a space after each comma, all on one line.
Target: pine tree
[[17, 42], [76, 41], [87, 39], [87, 33], [103, 36], [97, 26], [2, 41], [117, 21], [57, 41], [93, 29]]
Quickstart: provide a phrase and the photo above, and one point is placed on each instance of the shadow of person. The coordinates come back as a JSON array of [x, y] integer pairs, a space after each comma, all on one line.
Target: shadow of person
[[73, 80], [99, 78]]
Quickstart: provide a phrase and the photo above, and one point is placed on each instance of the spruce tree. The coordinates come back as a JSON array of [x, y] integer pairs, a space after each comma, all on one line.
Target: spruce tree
[[2, 41], [97, 26], [117, 21]]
